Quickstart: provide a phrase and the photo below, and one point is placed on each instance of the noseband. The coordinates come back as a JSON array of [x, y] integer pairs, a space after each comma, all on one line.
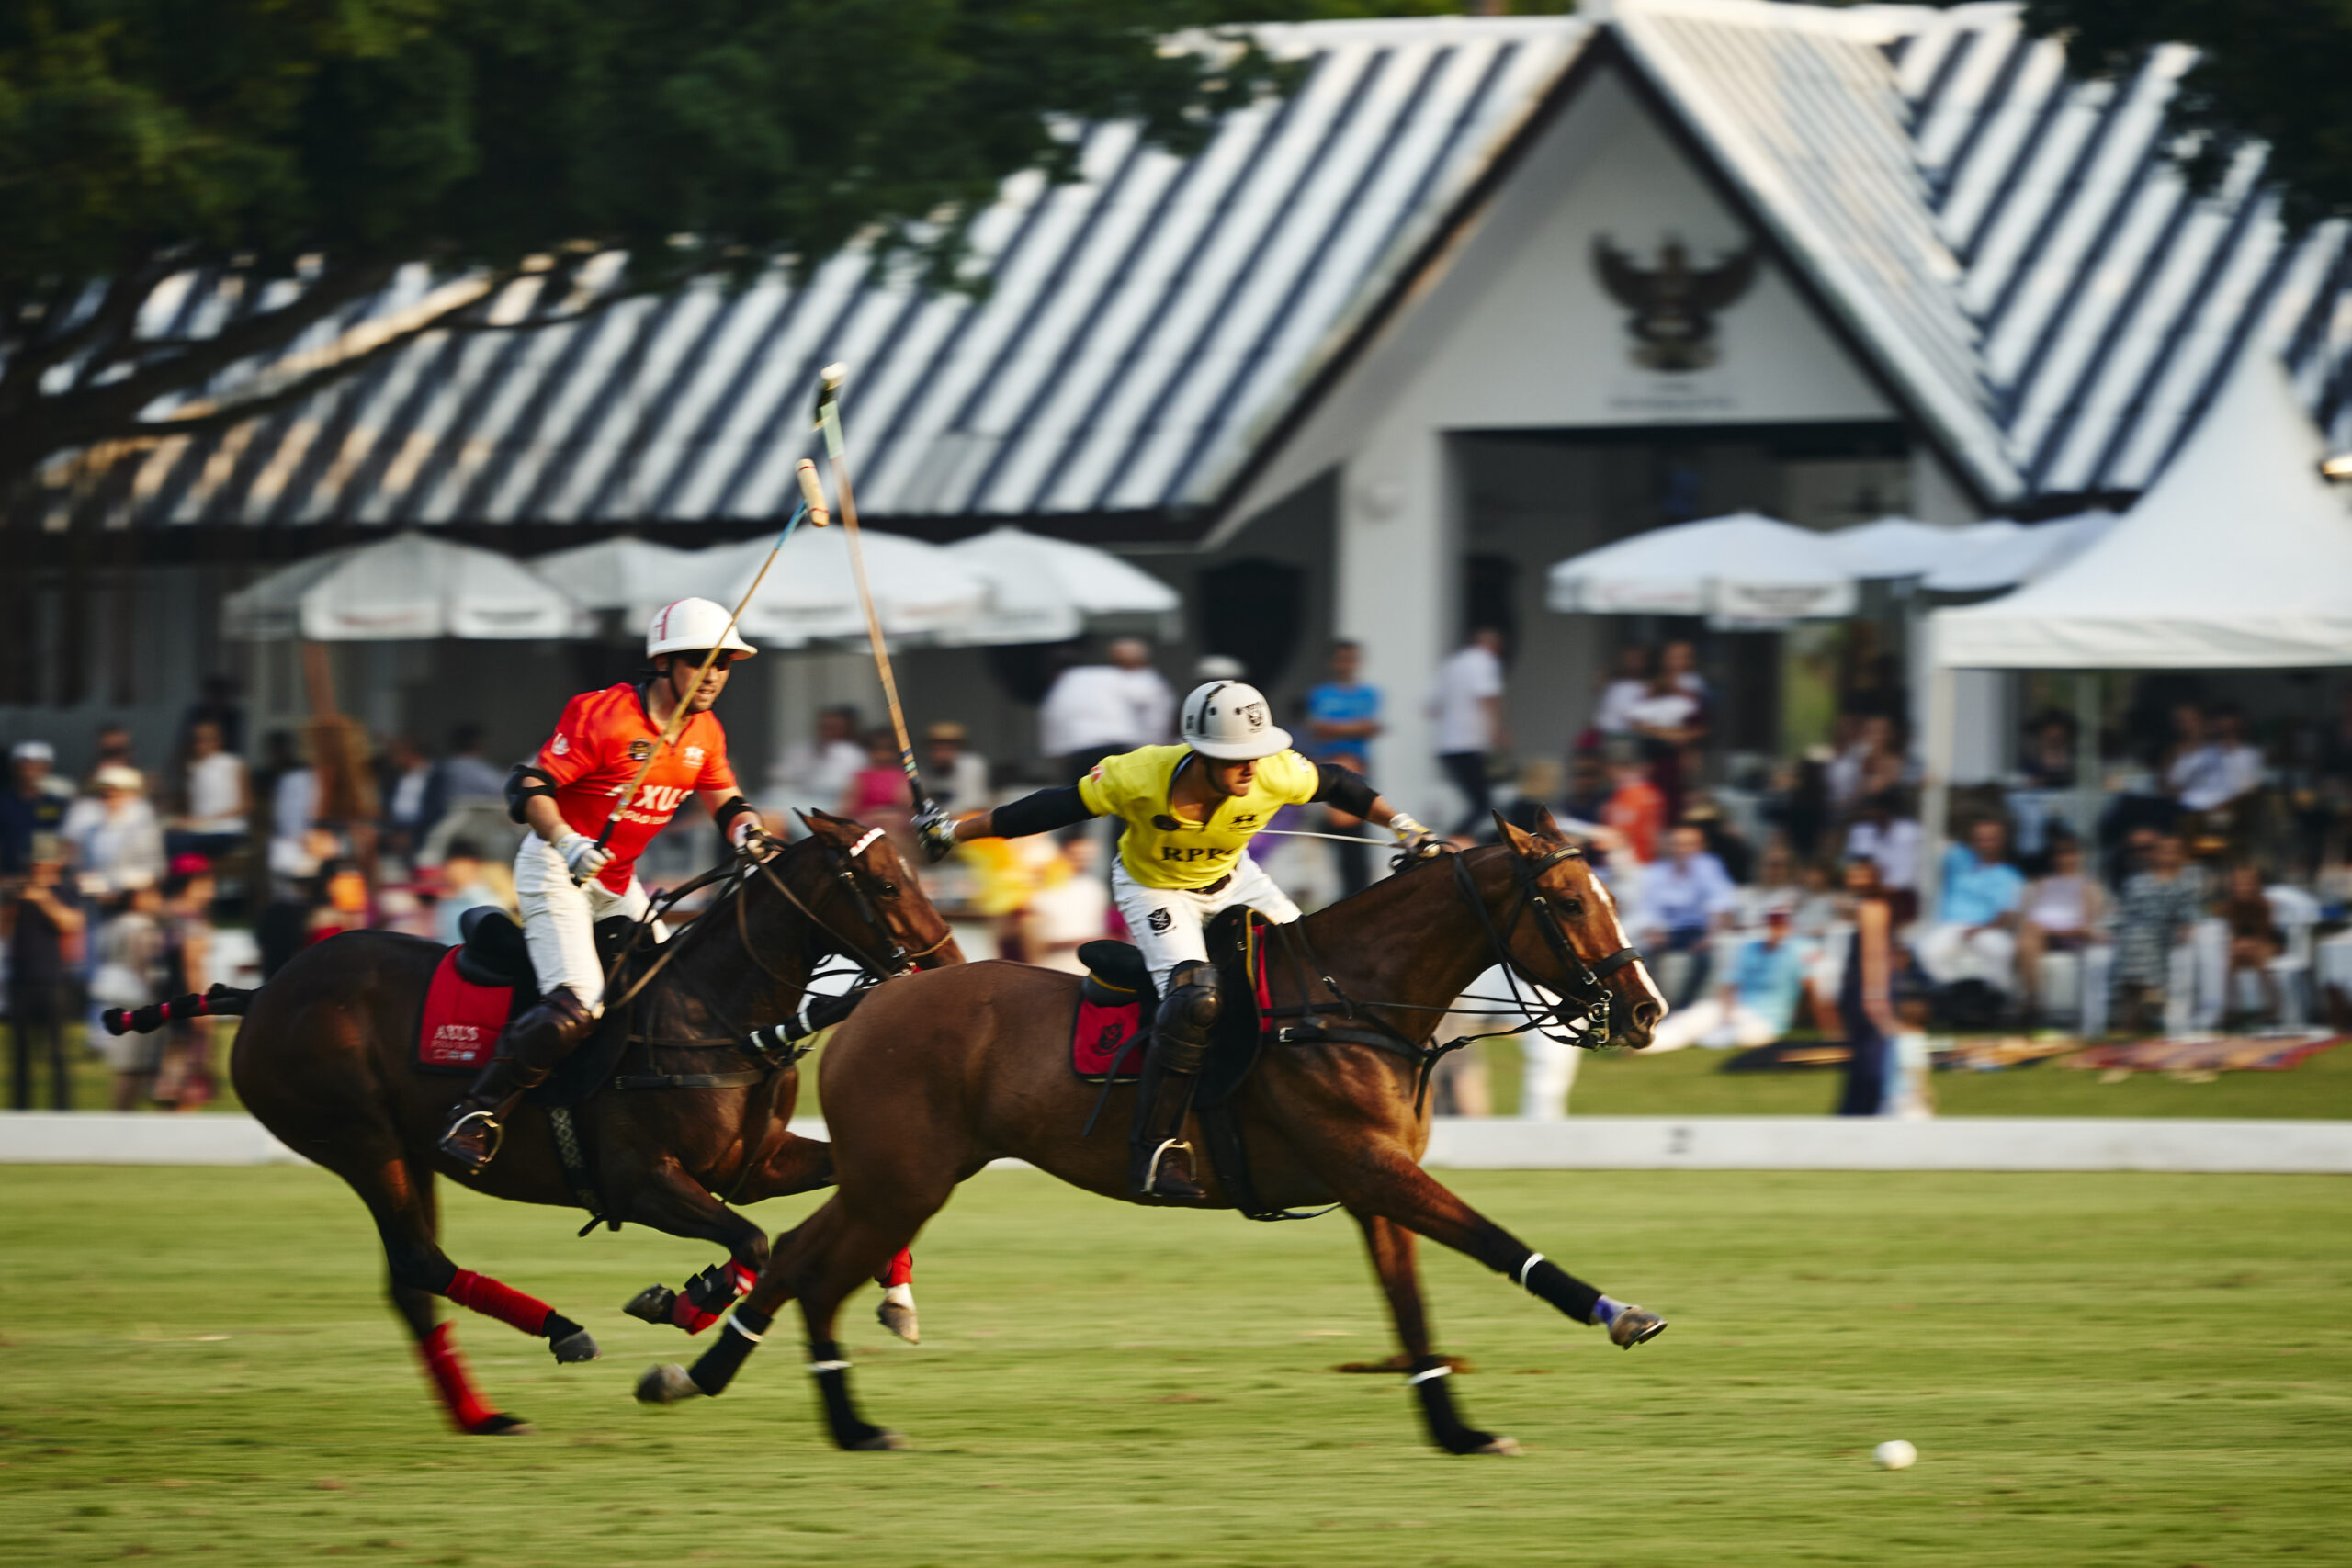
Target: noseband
[[1587, 1006], [842, 866]]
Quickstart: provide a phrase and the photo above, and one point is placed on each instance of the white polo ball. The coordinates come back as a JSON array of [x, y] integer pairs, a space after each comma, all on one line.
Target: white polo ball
[[1896, 1455]]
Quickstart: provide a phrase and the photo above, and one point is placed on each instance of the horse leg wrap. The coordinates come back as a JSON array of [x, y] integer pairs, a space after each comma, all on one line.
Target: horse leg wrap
[[830, 1369], [709, 1293], [716, 1366], [509, 1305], [447, 1368], [900, 1270], [1559, 1286]]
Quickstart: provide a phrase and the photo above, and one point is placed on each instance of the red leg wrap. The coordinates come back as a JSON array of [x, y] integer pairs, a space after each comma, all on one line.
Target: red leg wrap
[[448, 1370], [744, 1278], [901, 1270], [690, 1317], [509, 1305]]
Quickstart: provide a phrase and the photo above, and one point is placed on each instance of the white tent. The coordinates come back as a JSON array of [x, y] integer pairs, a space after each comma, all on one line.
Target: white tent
[[633, 576], [2239, 557], [1744, 566], [1045, 589], [920, 591], [1897, 546], [408, 586]]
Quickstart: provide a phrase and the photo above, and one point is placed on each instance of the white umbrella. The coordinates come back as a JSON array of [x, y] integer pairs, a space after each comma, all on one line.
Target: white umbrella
[[407, 587], [919, 591], [1043, 589], [2002, 554], [633, 576], [1897, 546], [1744, 566]]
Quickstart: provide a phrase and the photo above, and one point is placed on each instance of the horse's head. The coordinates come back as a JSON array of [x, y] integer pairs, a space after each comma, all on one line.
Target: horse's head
[[873, 900], [1564, 933]]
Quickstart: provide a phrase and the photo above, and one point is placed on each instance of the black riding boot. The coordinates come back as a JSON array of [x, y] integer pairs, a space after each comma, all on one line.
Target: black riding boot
[[527, 1052], [1171, 1069]]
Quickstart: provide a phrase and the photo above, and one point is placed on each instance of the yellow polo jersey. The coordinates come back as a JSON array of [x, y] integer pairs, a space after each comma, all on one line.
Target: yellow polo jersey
[[1161, 851]]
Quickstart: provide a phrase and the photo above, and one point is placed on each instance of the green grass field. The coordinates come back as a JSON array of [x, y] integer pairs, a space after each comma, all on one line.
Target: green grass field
[[2142, 1370]]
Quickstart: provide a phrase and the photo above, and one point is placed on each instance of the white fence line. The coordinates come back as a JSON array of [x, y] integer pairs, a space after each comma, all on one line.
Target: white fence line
[[1579, 1142]]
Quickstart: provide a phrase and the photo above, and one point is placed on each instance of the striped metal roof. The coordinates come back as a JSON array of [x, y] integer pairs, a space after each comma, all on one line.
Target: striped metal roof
[[2010, 244]]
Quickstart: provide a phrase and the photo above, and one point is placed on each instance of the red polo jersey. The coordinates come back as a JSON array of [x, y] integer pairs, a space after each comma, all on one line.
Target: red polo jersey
[[598, 745]]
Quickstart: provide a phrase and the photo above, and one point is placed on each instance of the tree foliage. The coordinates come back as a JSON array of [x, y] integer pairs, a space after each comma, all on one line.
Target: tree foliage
[[2275, 70], [312, 147]]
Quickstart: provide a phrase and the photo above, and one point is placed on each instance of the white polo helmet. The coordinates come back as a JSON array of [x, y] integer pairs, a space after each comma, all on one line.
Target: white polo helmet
[[1229, 720], [692, 624]]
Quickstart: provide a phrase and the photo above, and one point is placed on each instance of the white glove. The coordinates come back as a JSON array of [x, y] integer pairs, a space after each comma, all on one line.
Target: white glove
[[936, 829], [1418, 842], [583, 854]]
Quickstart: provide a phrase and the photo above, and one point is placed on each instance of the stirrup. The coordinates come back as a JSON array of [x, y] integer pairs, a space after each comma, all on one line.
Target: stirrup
[[459, 1147], [1153, 1174]]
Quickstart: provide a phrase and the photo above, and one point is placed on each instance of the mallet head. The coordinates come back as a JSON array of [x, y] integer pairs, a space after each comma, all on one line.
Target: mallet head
[[812, 490], [829, 387]]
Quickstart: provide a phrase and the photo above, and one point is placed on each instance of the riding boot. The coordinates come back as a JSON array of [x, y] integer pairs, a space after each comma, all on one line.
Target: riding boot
[[1171, 1068], [527, 1052]]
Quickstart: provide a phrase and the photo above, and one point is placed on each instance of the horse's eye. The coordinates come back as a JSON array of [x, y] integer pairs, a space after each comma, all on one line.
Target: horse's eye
[[889, 890]]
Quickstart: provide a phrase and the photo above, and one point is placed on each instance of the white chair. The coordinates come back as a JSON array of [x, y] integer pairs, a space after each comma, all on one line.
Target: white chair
[[2296, 912], [2082, 976]]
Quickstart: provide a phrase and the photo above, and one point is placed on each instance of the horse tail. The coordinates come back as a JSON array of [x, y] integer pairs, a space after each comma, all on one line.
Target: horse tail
[[220, 1001]]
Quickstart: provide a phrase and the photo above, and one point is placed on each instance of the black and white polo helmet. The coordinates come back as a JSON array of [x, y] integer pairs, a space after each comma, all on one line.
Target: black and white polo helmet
[[1229, 720]]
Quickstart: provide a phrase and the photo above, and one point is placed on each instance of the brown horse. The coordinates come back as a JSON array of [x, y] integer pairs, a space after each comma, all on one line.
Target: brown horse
[[938, 1075], [324, 1061]]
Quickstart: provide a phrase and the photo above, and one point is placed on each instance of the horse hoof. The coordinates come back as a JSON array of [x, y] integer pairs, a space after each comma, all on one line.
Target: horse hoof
[[1497, 1446], [880, 1442], [1635, 1326], [500, 1425], [666, 1383], [575, 1347], [652, 1305], [901, 1321]]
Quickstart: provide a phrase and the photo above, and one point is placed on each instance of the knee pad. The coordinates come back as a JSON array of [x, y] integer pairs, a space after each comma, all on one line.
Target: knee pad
[[1192, 997]]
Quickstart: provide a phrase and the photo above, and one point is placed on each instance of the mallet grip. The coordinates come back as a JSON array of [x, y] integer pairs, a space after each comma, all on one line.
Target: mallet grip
[[812, 490]]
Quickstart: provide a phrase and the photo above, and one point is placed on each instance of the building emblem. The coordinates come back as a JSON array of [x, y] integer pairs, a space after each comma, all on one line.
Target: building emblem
[[1674, 304]]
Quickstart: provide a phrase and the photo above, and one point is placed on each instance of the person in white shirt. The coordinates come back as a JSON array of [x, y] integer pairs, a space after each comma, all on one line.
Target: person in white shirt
[[1468, 707], [118, 842], [957, 776], [817, 772], [1891, 843], [1093, 711], [1612, 714], [1069, 907]]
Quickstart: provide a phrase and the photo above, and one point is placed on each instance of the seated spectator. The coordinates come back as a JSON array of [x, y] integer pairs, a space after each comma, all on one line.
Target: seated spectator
[[1612, 714], [2161, 904], [1589, 789], [1671, 723], [2242, 766], [1070, 907], [464, 885], [33, 805], [877, 794], [131, 974], [1686, 899], [1724, 840], [1883, 836], [44, 924], [2061, 914], [958, 776], [815, 772], [1972, 936], [2254, 937], [2048, 762], [214, 789], [184, 1080], [1636, 811], [1775, 886], [1759, 1002], [116, 841], [406, 787], [114, 750]]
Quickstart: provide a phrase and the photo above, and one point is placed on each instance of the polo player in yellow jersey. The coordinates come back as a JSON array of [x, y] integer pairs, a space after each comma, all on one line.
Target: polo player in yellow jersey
[[1190, 811]]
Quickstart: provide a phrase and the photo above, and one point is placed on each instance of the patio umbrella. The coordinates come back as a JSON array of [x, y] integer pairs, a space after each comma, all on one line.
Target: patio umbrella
[[2002, 554], [407, 587], [920, 591], [1045, 589], [633, 576], [1897, 546], [1745, 566]]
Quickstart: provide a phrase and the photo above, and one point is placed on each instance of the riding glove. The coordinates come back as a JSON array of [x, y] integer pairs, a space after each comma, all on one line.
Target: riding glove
[[583, 854], [1418, 841], [937, 831]]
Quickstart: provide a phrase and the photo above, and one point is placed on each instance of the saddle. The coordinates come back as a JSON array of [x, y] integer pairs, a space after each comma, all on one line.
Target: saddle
[[485, 981]]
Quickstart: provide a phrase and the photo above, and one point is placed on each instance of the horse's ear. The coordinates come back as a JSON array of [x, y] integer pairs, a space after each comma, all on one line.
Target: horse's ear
[[1512, 836], [1547, 827]]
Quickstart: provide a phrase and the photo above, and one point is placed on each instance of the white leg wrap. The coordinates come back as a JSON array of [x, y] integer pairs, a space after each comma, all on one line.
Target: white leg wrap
[[1419, 1378], [1528, 1268], [829, 1366]]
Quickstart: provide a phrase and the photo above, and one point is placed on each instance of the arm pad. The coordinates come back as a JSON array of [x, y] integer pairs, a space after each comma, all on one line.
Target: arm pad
[[1041, 813], [734, 806], [523, 782], [1346, 790]]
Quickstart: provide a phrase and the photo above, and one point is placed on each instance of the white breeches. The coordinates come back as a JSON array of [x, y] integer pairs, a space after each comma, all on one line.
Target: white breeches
[[559, 921], [1952, 953], [1165, 922]]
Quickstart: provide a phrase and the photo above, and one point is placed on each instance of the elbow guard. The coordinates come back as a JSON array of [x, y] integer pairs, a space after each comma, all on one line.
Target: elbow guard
[[524, 782], [1348, 791], [734, 806]]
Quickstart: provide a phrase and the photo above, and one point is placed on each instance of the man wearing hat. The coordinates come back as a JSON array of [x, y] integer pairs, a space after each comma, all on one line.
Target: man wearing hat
[[33, 803], [1759, 1003], [958, 775], [117, 839]]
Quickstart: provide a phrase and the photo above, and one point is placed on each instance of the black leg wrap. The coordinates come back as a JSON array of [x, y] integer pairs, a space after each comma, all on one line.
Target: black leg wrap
[[830, 1369], [711, 1290], [739, 1334], [1562, 1288], [557, 1326]]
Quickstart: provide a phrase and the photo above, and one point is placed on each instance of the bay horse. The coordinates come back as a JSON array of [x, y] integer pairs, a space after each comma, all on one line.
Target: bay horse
[[324, 1057], [939, 1075]]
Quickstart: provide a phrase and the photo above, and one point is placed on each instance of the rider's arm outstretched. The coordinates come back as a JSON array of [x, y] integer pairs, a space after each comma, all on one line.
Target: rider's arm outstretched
[[1065, 806]]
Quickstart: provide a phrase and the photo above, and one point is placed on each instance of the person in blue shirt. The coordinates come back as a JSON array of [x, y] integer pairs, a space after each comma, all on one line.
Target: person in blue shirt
[[1759, 1003], [1687, 897], [1973, 935], [1342, 717]]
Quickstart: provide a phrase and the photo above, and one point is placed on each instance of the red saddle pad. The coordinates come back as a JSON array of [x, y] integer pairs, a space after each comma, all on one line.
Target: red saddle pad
[[1097, 1034], [462, 1020]]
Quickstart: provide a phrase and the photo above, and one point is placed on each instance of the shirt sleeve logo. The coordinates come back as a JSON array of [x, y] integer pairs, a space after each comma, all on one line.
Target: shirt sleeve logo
[[561, 745]]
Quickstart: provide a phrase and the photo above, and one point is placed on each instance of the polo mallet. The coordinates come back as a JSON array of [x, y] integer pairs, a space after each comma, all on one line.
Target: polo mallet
[[829, 420], [812, 506]]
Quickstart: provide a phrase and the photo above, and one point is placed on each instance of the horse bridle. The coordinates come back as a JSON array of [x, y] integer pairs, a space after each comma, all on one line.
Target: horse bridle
[[1586, 1004], [841, 865]]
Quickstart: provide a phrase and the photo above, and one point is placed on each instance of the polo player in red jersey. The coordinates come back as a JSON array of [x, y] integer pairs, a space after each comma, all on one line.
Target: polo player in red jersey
[[566, 882]]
